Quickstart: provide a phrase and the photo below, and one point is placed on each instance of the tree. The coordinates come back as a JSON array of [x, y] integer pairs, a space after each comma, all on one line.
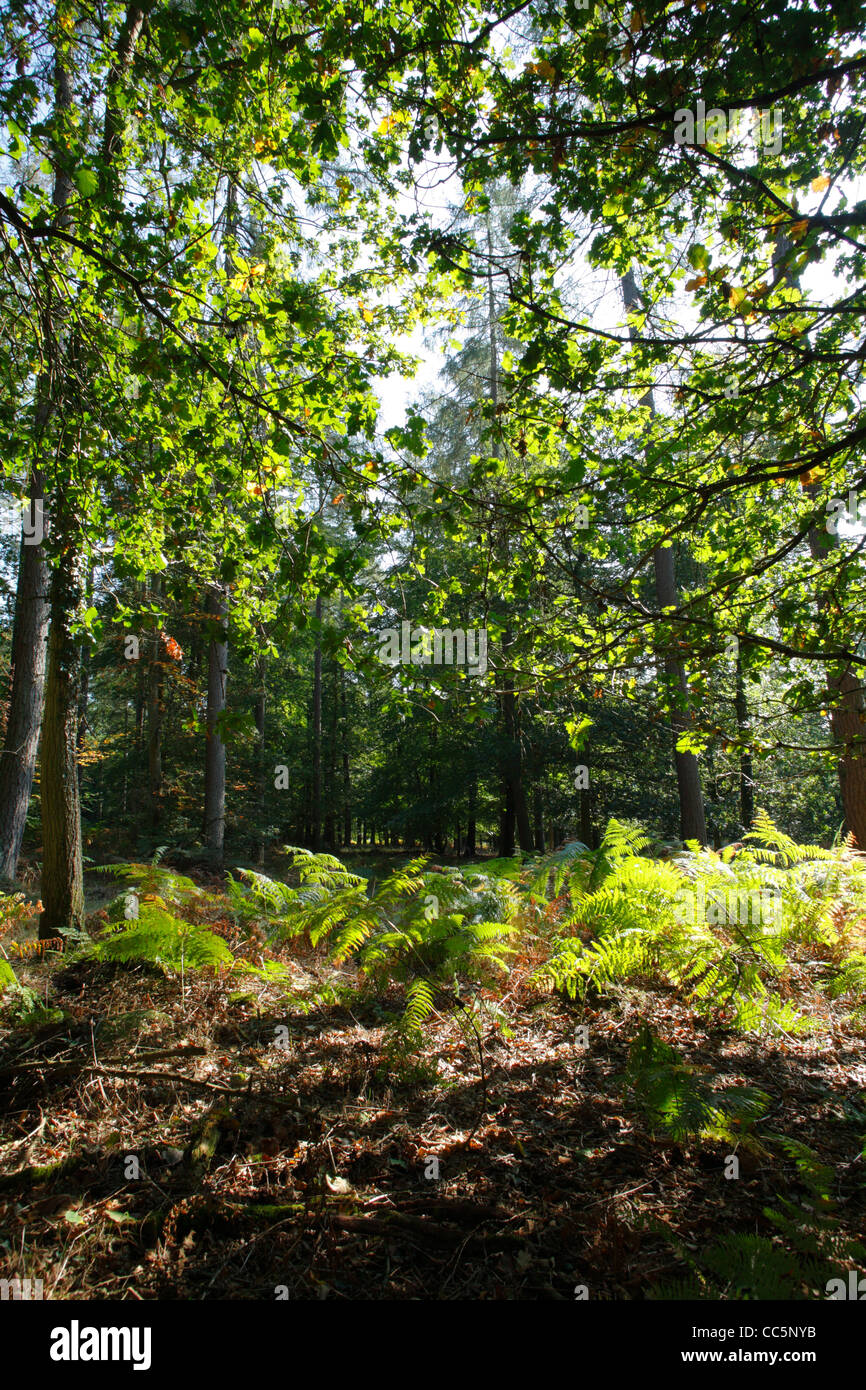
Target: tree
[[29, 647]]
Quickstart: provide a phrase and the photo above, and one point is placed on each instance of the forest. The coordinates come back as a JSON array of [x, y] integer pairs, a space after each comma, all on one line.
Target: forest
[[432, 700]]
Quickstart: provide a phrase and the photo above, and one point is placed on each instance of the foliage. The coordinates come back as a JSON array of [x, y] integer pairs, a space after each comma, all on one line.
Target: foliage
[[713, 925], [15, 910], [158, 938], [680, 1103], [807, 1250], [423, 929]]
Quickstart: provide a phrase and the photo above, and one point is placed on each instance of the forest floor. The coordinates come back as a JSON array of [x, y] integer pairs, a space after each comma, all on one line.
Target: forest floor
[[162, 1139]]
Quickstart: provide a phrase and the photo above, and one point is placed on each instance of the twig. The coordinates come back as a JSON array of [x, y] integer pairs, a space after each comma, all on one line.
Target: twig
[[73, 1062]]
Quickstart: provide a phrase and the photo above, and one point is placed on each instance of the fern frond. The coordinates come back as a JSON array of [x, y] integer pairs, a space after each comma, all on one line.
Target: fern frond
[[159, 939]]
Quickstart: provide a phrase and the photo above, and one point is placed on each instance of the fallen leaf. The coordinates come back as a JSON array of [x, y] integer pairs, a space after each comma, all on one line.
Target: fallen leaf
[[338, 1186]]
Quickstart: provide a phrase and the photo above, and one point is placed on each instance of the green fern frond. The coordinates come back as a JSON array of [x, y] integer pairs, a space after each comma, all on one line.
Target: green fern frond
[[850, 978], [816, 1174], [159, 939], [419, 1003], [678, 1100], [770, 845]]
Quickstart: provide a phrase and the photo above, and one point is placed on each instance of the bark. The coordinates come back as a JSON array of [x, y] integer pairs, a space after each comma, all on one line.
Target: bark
[[316, 836], [259, 712], [747, 785], [62, 877], [112, 131], [848, 723], [846, 697], [140, 695], [847, 707], [692, 820], [124, 788], [506, 823], [518, 807], [62, 867], [470, 824], [331, 817], [83, 690], [30, 634], [516, 811], [155, 712], [18, 760], [347, 779], [586, 832], [538, 814], [215, 751]]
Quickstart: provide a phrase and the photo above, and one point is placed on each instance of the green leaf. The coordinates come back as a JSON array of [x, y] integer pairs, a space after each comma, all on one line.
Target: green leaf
[[577, 732], [86, 182]]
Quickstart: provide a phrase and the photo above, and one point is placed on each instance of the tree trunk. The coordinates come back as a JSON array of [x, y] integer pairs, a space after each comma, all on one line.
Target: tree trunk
[[848, 722], [845, 699], [347, 782], [692, 821], [747, 785], [518, 809], [259, 712], [62, 868], [83, 690], [155, 710], [586, 834], [316, 838], [506, 822], [331, 815], [471, 827], [124, 788], [18, 760], [845, 691], [215, 751], [538, 814], [30, 633]]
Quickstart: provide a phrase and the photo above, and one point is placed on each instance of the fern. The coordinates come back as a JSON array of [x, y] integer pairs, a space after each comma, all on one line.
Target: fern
[[714, 928], [807, 1251], [850, 978], [160, 939], [150, 878], [679, 1102], [817, 1176], [768, 844], [422, 928]]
